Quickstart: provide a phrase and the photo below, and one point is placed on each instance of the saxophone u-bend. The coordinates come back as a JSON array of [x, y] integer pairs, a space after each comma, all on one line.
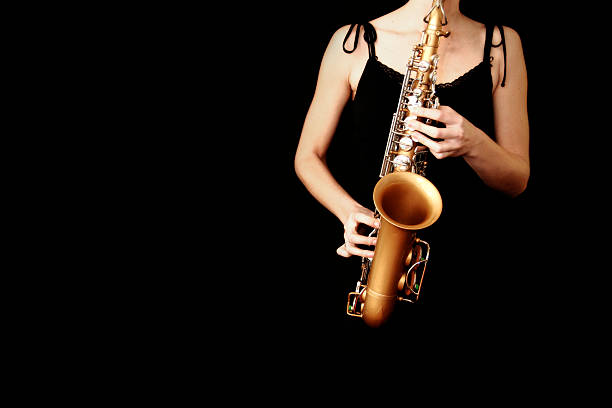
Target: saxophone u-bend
[[405, 200]]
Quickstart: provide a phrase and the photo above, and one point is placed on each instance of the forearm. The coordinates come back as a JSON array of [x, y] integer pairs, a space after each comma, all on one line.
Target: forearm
[[315, 175], [499, 168], [503, 164]]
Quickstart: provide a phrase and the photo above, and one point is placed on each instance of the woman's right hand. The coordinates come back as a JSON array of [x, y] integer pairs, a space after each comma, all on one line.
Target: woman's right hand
[[352, 236]]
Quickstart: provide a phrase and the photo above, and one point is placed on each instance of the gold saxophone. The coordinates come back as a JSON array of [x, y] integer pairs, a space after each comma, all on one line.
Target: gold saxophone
[[405, 200]]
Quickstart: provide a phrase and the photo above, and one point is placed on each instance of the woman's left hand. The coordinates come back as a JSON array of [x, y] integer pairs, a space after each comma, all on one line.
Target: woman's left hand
[[458, 138]]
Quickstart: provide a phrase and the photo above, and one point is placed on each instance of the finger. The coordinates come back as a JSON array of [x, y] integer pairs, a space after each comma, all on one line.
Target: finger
[[351, 223], [353, 250], [435, 114], [356, 239], [433, 146], [368, 220], [431, 131], [347, 251], [439, 150]]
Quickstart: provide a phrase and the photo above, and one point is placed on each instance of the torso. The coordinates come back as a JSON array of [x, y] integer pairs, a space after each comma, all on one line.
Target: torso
[[467, 82], [394, 45]]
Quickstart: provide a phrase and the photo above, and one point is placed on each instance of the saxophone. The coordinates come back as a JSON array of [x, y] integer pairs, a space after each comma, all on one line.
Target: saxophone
[[405, 200]]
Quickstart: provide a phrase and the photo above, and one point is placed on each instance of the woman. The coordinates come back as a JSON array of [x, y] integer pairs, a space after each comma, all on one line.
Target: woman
[[480, 155]]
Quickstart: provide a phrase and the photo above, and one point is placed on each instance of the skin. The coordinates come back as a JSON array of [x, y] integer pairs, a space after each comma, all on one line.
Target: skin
[[503, 164]]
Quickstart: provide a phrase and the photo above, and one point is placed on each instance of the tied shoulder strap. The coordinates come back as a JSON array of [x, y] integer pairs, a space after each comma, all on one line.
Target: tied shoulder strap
[[489, 44], [369, 35]]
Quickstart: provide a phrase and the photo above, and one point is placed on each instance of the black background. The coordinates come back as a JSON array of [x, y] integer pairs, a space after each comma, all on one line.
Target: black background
[[275, 245], [207, 251]]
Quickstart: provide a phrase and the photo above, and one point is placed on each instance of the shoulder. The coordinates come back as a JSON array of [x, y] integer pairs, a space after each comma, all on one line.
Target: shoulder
[[508, 58], [342, 33], [511, 36], [345, 52], [349, 39], [507, 45], [346, 47]]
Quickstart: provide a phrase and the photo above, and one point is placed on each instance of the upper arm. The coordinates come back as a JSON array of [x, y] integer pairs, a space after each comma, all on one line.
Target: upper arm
[[331, 95], [510, 100]]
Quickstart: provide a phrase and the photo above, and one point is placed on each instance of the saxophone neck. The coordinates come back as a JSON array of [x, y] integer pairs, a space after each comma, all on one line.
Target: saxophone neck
[[436, 19]]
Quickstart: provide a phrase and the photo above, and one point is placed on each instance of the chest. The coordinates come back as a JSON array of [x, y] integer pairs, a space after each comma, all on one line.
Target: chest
[[458, 53]]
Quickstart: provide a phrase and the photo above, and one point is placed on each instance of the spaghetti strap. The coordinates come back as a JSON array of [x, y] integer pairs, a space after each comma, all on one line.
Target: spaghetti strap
[[489, 44], [369, 35]]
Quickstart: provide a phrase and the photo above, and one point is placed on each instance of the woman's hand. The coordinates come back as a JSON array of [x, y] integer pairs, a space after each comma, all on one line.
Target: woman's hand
[[502, 164], [458, 138], [352, 236]]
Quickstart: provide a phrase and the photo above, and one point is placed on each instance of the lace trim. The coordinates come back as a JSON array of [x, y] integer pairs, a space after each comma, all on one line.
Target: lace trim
[[399, 77]]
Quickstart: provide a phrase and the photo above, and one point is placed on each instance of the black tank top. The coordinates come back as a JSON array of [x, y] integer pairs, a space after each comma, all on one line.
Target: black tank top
[[466, 236]]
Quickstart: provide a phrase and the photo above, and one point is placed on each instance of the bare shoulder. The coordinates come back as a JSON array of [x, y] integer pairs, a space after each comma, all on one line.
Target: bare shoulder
[[513, 45], [338, 54], [338, 37], [346, 54], [509, 66], [348, 41], [513, 41], [511, 36]]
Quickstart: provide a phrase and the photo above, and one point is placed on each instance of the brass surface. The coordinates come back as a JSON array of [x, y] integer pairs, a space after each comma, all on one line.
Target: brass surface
[[407, 203]]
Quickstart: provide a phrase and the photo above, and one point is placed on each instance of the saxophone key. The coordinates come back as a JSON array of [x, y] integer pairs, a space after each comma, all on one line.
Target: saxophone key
[[406, 143], [402, 162]]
